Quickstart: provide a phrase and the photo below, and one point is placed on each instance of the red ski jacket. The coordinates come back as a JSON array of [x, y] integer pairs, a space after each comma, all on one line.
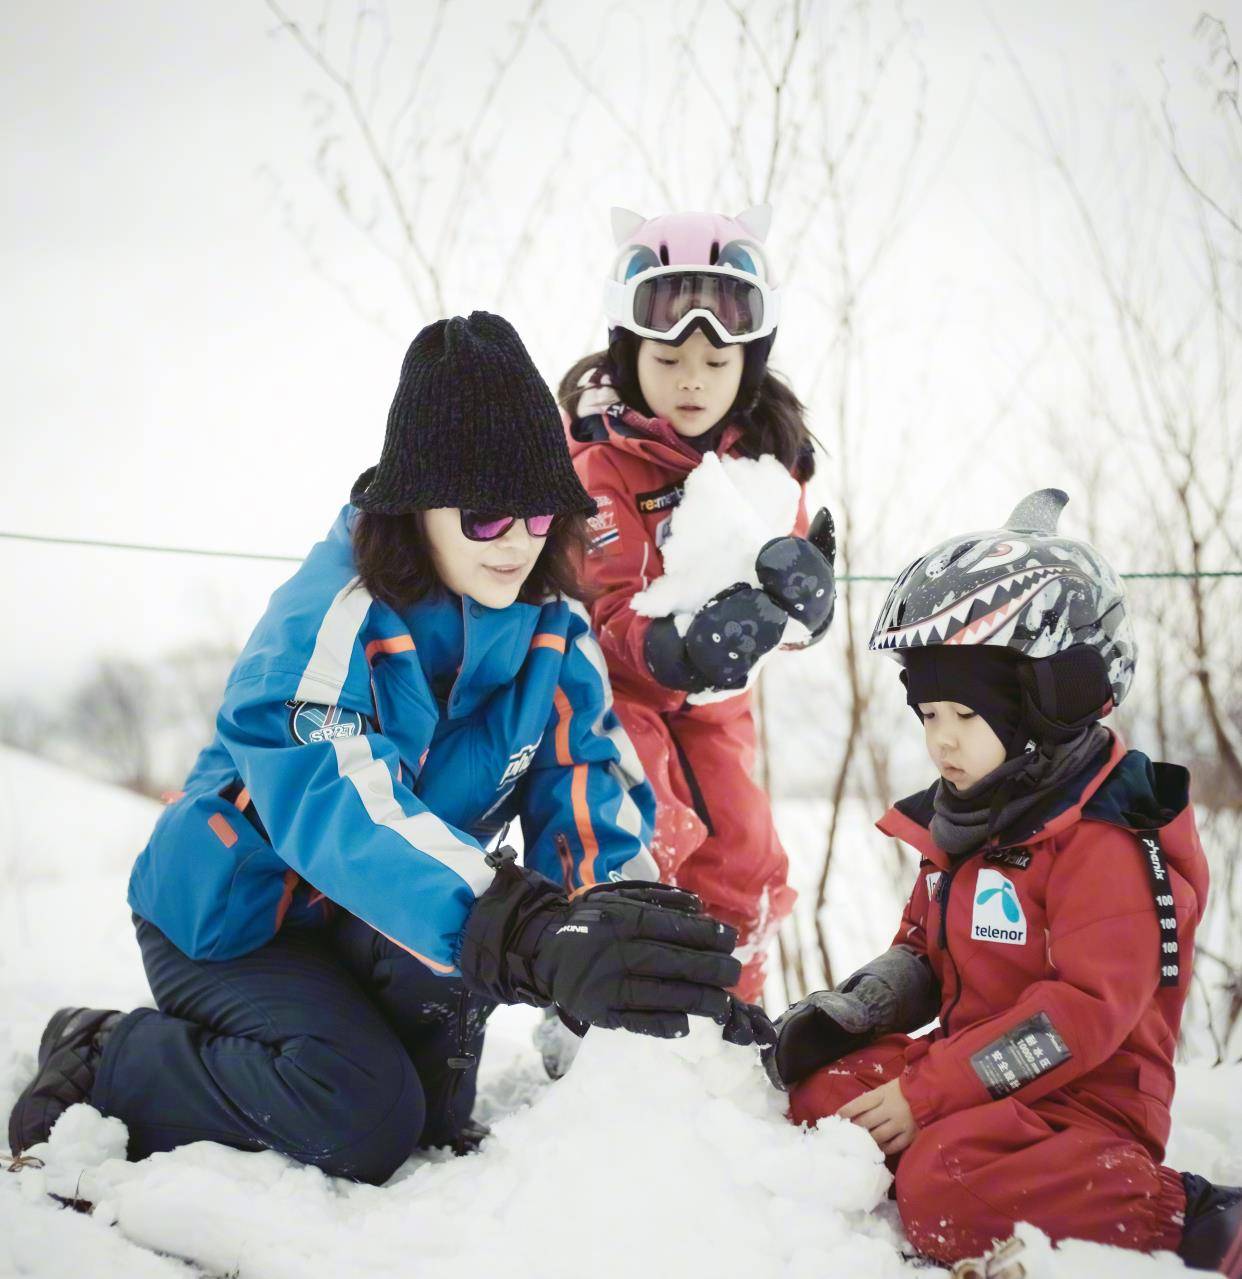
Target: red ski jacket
[[635, 468], [1064, 962]]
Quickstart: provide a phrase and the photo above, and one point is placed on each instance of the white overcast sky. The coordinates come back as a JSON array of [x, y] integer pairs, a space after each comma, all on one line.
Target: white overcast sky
[[175, 372]]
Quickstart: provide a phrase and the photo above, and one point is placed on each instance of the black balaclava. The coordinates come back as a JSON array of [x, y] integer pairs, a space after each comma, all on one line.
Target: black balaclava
[[982, 677], [1006, 805]]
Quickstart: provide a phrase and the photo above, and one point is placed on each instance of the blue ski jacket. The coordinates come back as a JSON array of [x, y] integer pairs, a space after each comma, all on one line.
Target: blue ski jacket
[[364, 756]]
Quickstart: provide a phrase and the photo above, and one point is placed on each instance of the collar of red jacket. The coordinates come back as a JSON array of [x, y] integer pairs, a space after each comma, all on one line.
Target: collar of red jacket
[[651, 438], [901, 824]]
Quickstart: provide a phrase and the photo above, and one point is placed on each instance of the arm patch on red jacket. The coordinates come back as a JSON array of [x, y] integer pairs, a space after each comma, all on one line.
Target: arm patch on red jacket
[[605, 536], [1022, 1054]]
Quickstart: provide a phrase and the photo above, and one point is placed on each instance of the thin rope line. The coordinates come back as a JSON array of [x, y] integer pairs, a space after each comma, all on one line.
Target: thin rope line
[[297, 559], [160, 550]]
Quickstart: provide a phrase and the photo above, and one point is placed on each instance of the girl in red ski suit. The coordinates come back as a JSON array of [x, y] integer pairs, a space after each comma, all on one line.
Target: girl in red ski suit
[[1050, 930], [714, 832]]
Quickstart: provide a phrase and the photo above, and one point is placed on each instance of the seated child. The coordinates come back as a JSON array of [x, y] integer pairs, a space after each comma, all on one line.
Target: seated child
[[1051, 928]]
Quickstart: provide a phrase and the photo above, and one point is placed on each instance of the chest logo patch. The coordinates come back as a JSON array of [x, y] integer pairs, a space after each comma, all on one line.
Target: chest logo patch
[[1018, 858], [519, 762], [998, 914], [933, 884], [659, 499]]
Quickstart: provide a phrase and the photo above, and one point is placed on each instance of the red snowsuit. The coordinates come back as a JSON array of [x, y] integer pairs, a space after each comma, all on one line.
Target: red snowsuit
[[714, 833], [1044, 1093]]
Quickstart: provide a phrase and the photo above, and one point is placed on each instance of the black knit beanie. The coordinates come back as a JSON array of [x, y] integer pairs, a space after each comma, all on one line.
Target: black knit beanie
[[983, 677], [472, 425]]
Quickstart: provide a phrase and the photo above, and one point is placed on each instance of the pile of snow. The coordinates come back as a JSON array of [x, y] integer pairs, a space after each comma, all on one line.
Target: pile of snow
[[672, 1158], [649, 1157], [730, 508]]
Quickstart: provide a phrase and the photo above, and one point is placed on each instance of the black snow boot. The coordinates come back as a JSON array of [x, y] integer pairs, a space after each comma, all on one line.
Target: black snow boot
[[69, 1054], [470, 1136], [1212, 1233]]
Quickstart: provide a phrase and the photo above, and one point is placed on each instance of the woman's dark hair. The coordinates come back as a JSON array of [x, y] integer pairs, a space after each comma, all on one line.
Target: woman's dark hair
[[771, 417], [394, 561]]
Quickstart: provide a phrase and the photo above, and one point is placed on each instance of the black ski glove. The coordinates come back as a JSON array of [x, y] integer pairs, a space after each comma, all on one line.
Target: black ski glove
[[640, 956], [797, 572], [727, 636], [897, 991]]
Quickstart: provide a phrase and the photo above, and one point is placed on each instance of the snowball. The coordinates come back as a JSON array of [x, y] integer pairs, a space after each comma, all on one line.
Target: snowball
[[730, 508]]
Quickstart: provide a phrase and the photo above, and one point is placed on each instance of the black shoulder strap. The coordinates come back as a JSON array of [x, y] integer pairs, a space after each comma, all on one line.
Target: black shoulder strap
[[1166, 909]]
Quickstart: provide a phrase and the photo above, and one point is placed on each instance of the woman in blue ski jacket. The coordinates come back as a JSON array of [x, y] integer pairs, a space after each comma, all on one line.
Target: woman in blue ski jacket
[[323, 917]]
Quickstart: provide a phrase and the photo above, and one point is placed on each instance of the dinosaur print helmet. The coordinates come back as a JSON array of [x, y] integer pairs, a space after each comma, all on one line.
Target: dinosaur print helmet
[[1052, 600]]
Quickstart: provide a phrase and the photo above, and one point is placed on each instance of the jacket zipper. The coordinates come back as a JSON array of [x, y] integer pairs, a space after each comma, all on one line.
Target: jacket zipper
[[465, 648], [943, 898], [696, 794], [567, 862], [465, 1060]]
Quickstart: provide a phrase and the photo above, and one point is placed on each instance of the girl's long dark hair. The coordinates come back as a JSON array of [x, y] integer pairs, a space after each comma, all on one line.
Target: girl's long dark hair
[[395, 565], [771, 417]]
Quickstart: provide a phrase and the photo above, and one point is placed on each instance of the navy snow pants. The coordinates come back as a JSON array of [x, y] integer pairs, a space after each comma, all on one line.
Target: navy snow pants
[[330, 1045]]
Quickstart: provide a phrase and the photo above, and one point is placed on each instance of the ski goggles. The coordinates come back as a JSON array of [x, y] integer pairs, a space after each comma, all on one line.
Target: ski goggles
[[663, 302], [487, 526]]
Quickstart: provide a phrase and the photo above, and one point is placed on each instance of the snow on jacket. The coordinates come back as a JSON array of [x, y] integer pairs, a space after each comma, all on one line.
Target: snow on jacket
[[337, 775], [635, 468], [1055, 969]]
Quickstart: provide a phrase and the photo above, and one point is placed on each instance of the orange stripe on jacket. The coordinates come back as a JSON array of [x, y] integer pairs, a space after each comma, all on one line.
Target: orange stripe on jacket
[[222, 830], [577, 790], [547, 640], [586, 832], [564, 713], [241, 799], [422, 959], [286, 897], [397, 644]]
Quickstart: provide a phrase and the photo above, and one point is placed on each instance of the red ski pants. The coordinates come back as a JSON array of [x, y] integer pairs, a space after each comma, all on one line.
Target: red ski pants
[[967, 1179], [714, 833]]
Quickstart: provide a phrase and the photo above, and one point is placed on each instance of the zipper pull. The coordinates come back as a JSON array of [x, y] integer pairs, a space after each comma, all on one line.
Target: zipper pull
[[498, 857]]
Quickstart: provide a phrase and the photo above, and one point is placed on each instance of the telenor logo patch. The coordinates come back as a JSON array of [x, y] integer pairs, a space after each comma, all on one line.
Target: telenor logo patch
[[998, 914], [311, 722]]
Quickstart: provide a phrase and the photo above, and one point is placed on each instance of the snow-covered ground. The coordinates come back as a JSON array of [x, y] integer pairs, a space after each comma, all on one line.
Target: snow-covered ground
[[648, 1158]]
